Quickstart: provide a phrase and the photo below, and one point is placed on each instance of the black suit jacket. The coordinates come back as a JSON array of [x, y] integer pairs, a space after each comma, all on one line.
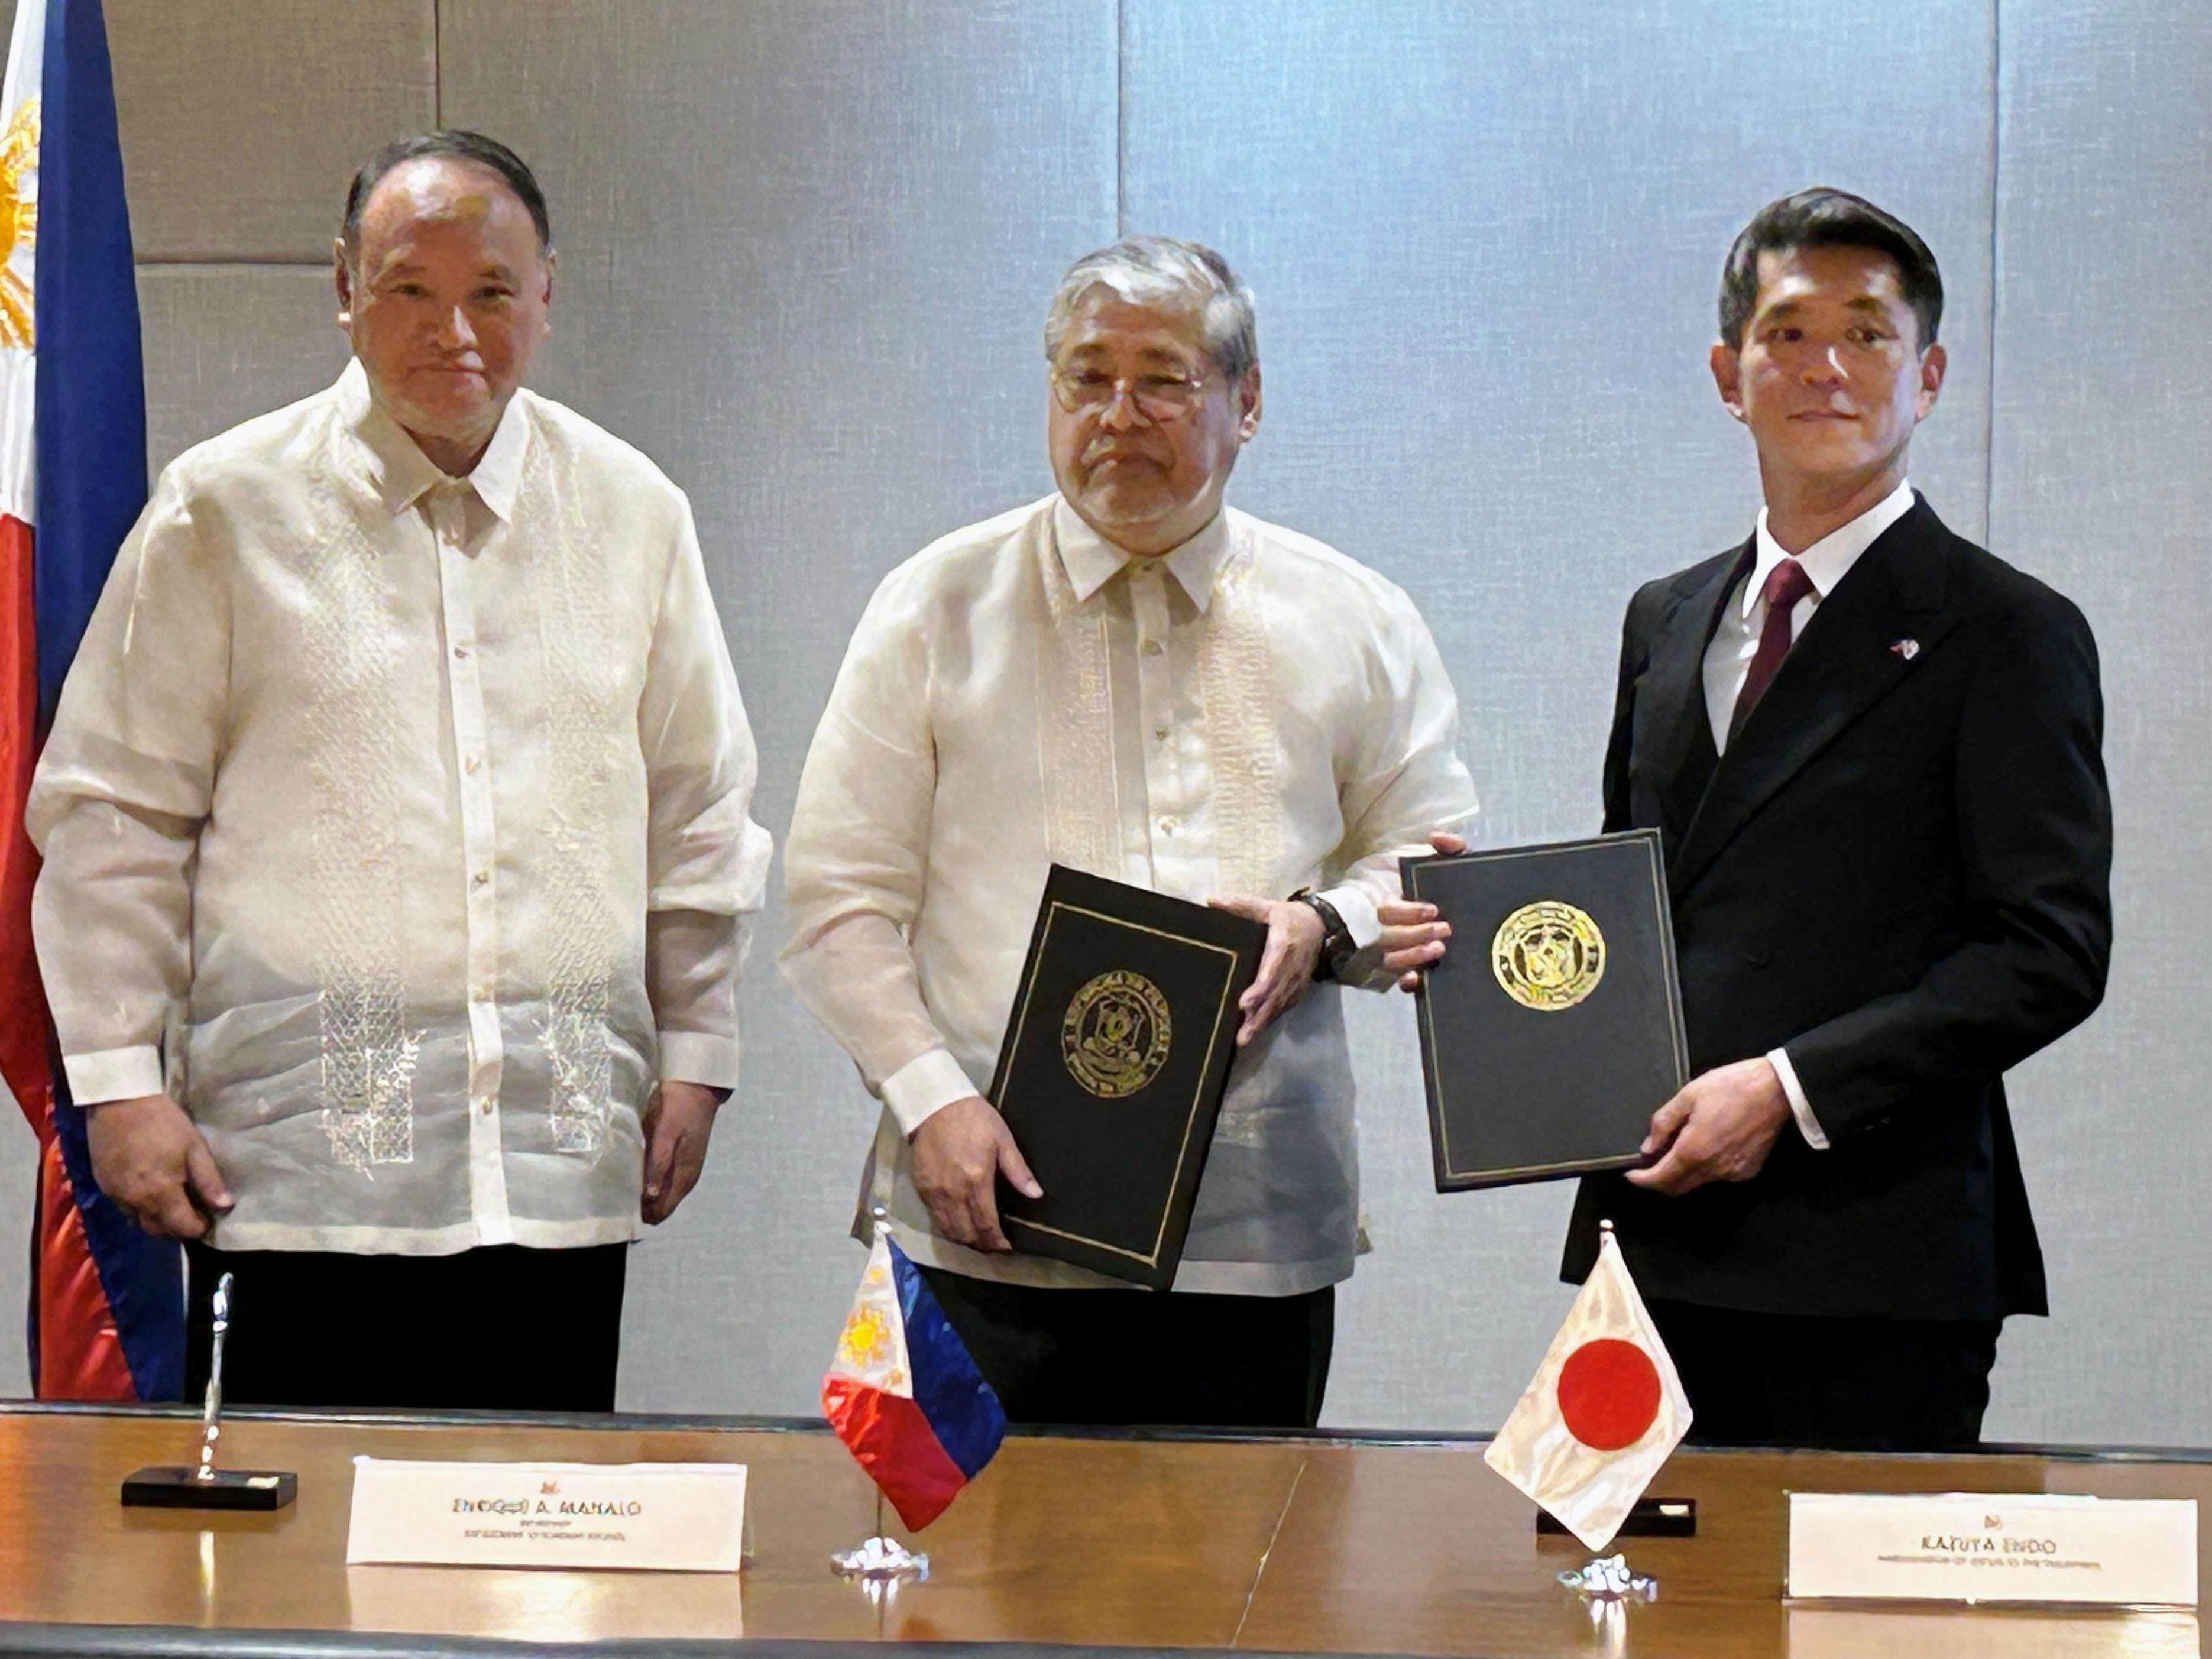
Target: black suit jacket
[[1899, 872]]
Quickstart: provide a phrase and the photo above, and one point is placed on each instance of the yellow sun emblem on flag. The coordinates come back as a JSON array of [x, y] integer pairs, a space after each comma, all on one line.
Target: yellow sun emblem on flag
[[867, 1341], [19, 222]]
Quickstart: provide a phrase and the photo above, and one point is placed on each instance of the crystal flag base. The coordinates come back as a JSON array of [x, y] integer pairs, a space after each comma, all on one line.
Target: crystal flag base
[[1611, 1579], [879, 1561]]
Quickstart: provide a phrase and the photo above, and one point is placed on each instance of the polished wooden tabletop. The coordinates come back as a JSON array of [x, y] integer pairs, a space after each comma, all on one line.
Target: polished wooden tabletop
[[1346, 1546]]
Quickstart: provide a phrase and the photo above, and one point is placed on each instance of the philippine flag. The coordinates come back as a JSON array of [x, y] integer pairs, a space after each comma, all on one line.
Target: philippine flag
[[106, 1318], [903, 1394], [1605, 1411]]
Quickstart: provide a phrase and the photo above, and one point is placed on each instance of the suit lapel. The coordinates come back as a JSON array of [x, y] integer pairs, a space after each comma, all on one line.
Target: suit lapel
[[1674, 726], [1839, 668]]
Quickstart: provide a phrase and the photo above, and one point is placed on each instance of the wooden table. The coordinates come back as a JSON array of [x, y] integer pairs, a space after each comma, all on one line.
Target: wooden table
[[1343, 1544]]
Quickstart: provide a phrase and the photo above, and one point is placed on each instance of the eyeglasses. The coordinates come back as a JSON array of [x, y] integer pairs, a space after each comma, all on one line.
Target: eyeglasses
[[1158, 396]]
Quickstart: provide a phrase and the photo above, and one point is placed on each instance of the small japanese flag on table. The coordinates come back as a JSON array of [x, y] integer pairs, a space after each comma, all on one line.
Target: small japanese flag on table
[[1605, 1409]]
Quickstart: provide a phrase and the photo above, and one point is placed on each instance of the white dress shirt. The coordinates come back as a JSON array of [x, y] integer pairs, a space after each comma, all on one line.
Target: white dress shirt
[[1735, 641], [396, 826], [1248, 714]]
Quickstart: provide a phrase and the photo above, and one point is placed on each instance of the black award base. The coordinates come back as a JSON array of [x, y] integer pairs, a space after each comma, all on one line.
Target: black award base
[[170, 1486], [1652, 1517]]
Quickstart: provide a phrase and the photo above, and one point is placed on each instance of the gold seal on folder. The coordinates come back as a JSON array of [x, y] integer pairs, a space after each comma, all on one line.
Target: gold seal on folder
[[1116, 1035], [1548, 956]]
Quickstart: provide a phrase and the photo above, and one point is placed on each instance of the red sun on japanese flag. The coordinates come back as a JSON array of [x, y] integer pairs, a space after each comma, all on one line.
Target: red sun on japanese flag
[[1602, 1413], [1608, 1394]]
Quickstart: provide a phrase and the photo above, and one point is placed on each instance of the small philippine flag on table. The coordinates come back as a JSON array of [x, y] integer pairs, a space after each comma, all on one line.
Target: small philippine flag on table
[[904, 1395], [1605, 1408]]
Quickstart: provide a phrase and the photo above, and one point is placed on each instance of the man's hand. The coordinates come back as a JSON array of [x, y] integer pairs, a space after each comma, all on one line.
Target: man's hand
[[1412, 939], [1720, 1127], [150, 1157], [959, 1151], [1286, 965], [676, 1122]]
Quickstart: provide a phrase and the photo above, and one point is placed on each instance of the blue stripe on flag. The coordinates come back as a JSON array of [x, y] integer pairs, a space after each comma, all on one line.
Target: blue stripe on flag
[[951, 1393], [144, 1278], [90, 446], [91, 438]]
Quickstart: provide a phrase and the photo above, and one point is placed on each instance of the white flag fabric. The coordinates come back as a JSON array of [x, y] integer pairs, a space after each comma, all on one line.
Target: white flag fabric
[[20, 126], [1605, 1409]]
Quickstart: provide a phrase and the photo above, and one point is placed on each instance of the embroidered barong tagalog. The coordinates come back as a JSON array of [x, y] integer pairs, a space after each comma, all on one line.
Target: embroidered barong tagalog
[[369, 1055], [434, 794], [577, 648]]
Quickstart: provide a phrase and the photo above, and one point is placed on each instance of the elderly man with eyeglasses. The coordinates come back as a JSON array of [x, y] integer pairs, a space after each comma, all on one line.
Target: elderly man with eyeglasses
[[1131, 678]]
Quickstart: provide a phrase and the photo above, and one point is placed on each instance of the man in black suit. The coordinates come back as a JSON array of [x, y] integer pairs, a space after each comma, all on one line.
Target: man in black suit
[[1873, 751]]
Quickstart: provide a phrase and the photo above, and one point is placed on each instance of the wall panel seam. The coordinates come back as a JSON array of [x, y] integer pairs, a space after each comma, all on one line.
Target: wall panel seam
[[1120, 118], [1997, 287]]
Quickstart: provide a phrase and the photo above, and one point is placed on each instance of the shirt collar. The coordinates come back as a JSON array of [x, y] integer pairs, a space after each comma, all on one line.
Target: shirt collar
[[1829, 559], [1090, 560], [401, 474]]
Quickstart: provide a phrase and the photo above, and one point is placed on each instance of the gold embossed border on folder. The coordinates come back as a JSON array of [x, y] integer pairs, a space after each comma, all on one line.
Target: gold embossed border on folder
[[1222, 1009], [1655, 866]]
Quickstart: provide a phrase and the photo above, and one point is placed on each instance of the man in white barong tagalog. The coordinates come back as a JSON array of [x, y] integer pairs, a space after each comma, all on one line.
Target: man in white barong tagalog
[[397, 855], [1132, 679]]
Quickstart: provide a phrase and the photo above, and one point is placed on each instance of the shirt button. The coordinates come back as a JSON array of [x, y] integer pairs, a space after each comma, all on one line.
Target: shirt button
[[1164, 732], [474, 762], [484, 1105], [1167, 826], [481, 878], [1153, 647], [460, 651]]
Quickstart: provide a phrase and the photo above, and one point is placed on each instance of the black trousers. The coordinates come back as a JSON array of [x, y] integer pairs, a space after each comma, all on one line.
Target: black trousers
[[1129, 1358], [496, 1329], [1837, 1384]]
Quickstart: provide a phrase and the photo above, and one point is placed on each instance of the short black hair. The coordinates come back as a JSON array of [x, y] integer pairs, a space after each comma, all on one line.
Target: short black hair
[[461, 146], [1822, 217]]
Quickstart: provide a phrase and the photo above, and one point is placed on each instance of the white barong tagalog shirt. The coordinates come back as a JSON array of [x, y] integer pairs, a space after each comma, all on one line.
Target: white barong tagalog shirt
[[396, 826], [1248, 714]]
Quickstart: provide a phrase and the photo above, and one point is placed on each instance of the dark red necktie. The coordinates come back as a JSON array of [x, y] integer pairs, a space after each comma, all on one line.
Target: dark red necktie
[[1786, 583]]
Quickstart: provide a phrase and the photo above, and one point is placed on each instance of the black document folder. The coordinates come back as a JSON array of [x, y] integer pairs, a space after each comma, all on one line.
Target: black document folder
[[1553, 1028], [1115, 1059]]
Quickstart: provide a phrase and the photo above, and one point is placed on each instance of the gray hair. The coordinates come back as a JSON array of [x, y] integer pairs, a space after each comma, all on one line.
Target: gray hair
[[1160, 271]]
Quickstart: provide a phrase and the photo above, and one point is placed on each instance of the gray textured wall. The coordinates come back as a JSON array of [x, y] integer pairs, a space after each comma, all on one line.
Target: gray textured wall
[[805, 247]]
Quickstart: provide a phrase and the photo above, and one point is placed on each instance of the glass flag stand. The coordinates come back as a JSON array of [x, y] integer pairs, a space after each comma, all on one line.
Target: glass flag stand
[[880, 1559], [1607, 1586], [1610, 1579]]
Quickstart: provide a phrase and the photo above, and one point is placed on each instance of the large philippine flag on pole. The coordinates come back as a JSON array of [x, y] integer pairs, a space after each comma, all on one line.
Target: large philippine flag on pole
[[106, 1305]]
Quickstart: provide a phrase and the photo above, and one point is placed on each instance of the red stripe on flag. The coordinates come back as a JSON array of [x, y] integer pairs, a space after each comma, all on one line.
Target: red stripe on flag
[[23, 1034], [79, 1352], [890, 1438]]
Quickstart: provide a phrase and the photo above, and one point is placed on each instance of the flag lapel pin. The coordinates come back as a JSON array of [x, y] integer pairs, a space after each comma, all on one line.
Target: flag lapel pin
[[1905, 649]]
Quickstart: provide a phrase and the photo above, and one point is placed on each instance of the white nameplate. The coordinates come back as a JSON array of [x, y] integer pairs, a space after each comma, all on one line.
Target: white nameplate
[[1833, 1630], [2008, 1546], [677, 1518]]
